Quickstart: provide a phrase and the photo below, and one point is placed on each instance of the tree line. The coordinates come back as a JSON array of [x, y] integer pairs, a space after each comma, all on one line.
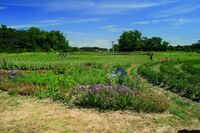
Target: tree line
[[134, 41], [188, 48], [31, 40], [37, 40]]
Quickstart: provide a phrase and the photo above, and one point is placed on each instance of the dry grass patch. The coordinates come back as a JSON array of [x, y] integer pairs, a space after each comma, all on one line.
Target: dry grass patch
[[31, 115], [21, 88]]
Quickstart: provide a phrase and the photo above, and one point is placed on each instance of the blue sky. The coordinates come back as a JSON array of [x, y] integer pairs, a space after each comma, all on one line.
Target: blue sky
[[99, 22]]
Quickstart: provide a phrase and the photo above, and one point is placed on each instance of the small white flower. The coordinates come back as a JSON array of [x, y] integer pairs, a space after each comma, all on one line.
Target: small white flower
[[113, 75]]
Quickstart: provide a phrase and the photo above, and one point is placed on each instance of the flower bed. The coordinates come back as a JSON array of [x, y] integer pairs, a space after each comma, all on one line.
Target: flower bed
[[119, 97]]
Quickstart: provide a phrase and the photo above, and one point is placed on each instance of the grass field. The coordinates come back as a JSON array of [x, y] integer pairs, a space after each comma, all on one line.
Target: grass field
[[99, 92]]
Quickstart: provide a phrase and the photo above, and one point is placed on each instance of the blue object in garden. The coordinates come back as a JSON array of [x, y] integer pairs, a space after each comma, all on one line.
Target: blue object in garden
[[11, 77], [121, 72]]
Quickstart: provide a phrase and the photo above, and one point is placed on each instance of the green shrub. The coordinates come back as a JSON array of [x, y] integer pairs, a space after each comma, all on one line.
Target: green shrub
[[174, 79], [121, 98]]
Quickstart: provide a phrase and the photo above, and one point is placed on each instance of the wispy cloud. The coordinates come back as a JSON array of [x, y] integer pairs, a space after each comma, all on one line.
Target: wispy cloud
[[182, 21], [155, 21], [100, 8], [102, 43], [81, 34], [172, 21], [57, 21], [111, 28], [142, 22], [63, 21], [126, 5], [87, 6], [114, 28], [179, 10]]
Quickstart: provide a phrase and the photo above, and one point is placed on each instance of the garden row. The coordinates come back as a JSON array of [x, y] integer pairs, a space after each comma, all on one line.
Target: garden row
[[189, 66], [174, 76], [8, 64]]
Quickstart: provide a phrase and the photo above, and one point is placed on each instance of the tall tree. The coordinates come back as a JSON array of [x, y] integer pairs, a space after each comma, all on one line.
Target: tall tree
[[130, 41], [33, 39]]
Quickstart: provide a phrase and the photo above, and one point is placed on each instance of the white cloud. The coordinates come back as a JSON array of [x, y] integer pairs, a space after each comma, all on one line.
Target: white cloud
[[58, 21], [63, 21], [181, 21], [183, 9], [173, 21], [114, 28], [127, 5], [81, 34], [110, 28], [185, 21], [102, 43], [86, 6], [155, 21], [117, 8], [142, 22]]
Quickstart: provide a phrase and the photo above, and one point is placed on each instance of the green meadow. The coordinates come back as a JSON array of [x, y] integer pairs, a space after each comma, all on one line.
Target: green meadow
[[164, 92]]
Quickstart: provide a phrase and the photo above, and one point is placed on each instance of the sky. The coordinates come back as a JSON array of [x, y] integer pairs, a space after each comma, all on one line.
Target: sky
[[94, 23]]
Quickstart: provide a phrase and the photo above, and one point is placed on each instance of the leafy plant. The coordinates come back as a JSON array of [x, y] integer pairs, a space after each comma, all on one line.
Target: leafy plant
[[119, 97]]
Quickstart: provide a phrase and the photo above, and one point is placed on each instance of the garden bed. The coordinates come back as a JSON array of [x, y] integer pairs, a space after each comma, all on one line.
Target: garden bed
[[120, 97], [21, 88]]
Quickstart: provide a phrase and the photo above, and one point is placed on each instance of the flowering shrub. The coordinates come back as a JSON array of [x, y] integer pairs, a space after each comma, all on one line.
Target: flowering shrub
[[119, 97], [120, 89], [119, 76], [11, 74]]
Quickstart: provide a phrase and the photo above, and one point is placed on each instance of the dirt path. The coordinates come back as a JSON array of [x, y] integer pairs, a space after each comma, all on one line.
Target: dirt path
[[129, 70]]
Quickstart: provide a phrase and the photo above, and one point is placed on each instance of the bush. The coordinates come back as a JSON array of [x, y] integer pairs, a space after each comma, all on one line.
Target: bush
[[150, 102], [119, 98], [151, 75]]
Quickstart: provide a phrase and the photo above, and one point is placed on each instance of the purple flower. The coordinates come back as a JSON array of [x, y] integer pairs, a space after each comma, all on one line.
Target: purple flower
[[119, 89], [9, 72], [14, 72], [97, 87]]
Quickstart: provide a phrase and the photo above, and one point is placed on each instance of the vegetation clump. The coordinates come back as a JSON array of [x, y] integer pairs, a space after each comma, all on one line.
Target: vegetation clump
[[31, 40], [120, 97], [174, 79]]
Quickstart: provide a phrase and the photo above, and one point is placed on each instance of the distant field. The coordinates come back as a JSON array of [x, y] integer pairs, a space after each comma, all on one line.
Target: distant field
[[105, 82]]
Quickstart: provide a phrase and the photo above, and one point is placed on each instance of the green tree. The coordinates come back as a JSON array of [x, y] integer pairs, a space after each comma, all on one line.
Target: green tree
[[154, 44], [31, 40], [130, 41], [196, 45]]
